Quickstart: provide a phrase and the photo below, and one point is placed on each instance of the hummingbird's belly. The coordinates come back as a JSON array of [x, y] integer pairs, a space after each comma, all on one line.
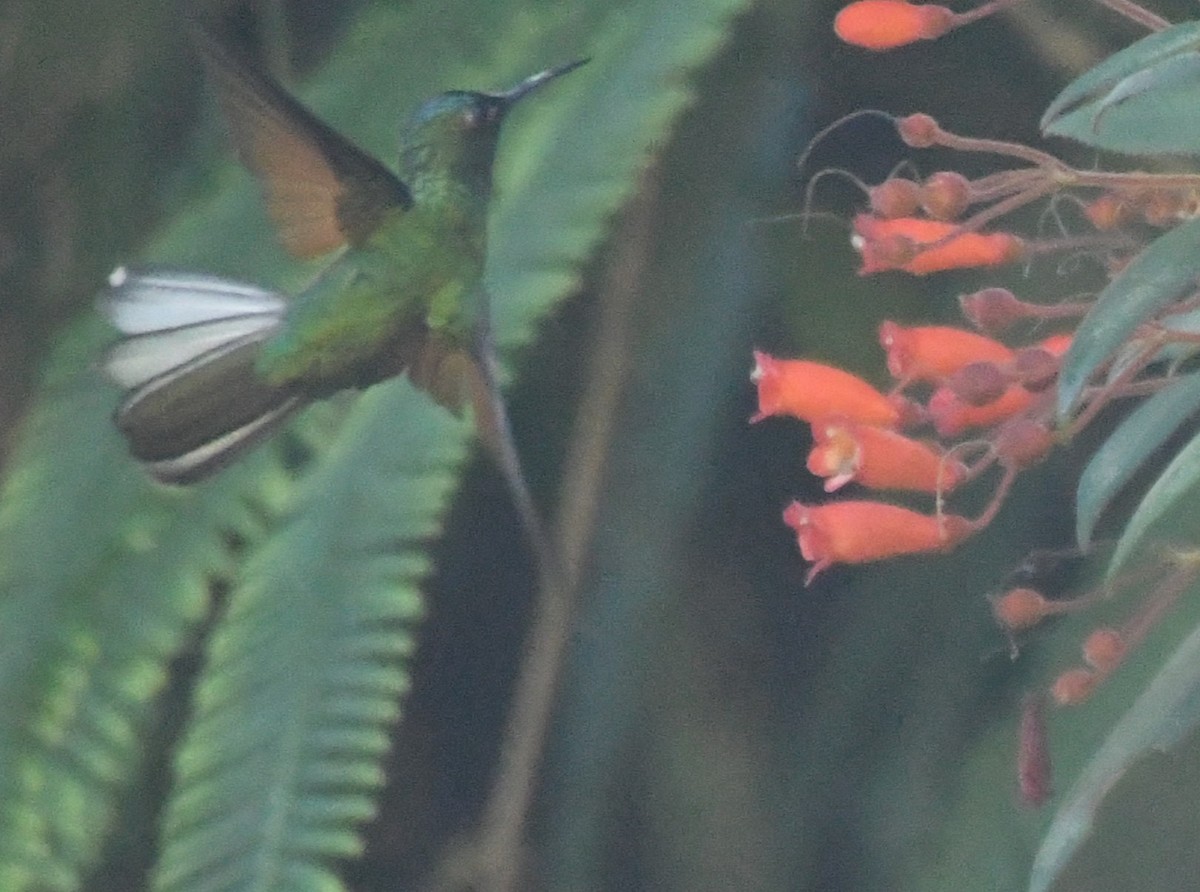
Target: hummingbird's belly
[[352, 329]]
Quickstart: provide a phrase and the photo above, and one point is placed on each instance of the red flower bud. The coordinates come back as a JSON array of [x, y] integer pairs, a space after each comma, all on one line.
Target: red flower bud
[[1020, 608], [857, 532], [1033, 754], [1021, 443], [945, 195], [1108, 212], [1056, 345], [979, 383], [1035, 367], [811, 390], [1073, 687], [918, 131], [992, 309], [886, 24], [894, 197], [1104, 650], [1164, 207]]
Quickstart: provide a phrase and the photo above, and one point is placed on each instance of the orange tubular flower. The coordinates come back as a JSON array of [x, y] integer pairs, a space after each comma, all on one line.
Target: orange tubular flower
[[933, 352], [844, 451], [897, 244], [858, 532], [1056, 345], [951, 415], [886, 24], [810, 390]]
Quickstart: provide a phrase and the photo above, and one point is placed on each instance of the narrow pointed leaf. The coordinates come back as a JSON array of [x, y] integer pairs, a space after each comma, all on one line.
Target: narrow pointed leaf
[[1167, 271], [1137, 101], [1129, 447], [289, 688], [1173, 493], [101, 578], [1162, 715]]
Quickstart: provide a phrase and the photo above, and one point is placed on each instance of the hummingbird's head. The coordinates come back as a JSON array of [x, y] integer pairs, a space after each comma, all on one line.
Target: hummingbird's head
[[456, 133]]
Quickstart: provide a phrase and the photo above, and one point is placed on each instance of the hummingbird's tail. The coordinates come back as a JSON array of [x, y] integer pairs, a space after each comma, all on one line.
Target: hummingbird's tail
[[195, 400]]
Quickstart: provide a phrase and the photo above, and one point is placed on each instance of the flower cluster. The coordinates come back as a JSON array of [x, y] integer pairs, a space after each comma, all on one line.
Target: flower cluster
[[976, 386], [976, 405]]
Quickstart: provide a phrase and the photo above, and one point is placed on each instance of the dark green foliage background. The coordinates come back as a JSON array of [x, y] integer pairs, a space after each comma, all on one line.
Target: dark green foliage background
[[720, 726]]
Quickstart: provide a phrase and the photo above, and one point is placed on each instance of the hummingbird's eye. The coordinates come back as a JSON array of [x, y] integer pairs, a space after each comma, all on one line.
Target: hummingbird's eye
[[484, 113]]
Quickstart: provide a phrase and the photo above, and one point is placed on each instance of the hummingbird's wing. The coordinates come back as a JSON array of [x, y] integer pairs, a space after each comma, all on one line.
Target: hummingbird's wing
[[321, 190]]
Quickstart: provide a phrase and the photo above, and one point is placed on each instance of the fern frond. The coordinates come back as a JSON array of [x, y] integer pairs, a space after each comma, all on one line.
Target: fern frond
[[101, 577], [282, 760]]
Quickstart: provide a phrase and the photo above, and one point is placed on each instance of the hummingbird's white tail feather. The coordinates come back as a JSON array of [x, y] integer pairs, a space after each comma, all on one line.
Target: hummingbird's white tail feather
[[139, 301], [139, 358], [195, 400]]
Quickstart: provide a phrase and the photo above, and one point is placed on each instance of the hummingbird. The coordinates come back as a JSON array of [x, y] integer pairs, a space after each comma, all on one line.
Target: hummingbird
[[212, 367]]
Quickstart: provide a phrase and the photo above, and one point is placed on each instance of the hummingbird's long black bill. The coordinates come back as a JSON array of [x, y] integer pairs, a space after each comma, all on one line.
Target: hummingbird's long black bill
[[534, 81]]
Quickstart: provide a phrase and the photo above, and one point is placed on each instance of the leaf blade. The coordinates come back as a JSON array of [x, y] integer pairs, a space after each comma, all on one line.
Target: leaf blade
[[1128, 448], [1159, 718], [1136, 101], [1163, 273]]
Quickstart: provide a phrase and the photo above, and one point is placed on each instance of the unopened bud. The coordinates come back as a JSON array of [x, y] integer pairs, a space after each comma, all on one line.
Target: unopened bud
[[1104, 649], [1073, 687], [1021, 443], [1033, 754], [1020, 608], [918, 131], [945, 195], [894, 197], [951, 416], [1163, 208], [992, 309], [979, 383], [1035, 368], [1107, 212]]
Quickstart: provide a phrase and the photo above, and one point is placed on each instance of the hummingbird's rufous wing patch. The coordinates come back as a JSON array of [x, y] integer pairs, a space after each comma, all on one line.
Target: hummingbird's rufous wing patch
[[444, 370], [321, 190]]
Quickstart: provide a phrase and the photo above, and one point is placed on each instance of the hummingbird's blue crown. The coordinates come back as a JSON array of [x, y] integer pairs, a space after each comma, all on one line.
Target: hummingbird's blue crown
[[474, 108]]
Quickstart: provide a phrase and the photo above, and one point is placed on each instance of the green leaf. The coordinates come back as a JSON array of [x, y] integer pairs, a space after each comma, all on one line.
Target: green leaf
[[101, 577], [1161, 716], [1173, 493], [1164, 273], [1129, 447], [1138, 101], [282, 760]]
